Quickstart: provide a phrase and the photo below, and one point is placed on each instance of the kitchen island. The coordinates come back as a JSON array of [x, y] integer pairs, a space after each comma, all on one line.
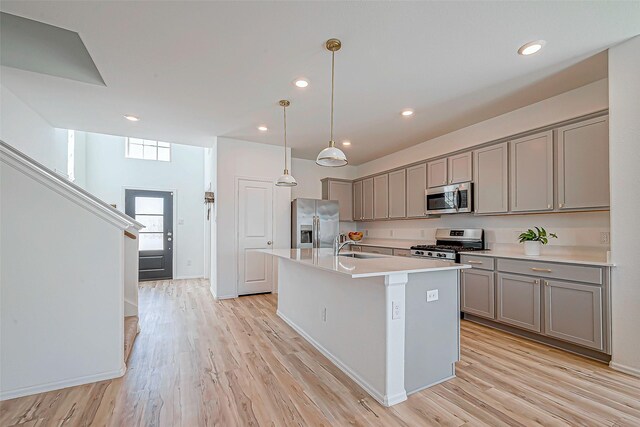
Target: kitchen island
[[392, 324]]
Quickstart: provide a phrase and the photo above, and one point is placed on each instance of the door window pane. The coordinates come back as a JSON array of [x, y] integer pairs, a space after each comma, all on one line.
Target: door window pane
[[151, 241], [149, 205], [153, 223]]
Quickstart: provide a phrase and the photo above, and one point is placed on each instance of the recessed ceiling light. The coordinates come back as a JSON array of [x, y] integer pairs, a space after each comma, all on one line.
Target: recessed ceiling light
[[531, 47], [301, 83], [347, 143], [407, 112], [263, 128], [131, 118]]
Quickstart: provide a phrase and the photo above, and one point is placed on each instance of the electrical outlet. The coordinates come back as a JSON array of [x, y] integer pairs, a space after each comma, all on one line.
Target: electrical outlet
[[188, 263], [605, 237], [324, 314], [396, 310], [432, 295]]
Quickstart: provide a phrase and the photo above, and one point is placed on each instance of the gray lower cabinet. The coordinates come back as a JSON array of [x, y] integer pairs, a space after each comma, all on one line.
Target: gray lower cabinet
[[583, 165], [518, 301], [367, 198], [381, 197], [477, 293], [416, 187], [397, 194], [574, 313], [357, 201], [532, 173], [491, 179]]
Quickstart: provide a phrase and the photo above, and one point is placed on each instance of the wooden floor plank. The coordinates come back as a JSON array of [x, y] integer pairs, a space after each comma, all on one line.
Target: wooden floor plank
[[201, 362]]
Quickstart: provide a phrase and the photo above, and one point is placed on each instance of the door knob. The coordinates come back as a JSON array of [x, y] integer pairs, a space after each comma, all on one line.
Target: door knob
[[169, 239], [269, 242]]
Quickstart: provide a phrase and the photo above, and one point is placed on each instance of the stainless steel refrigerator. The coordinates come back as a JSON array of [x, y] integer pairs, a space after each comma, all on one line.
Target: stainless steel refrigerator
[[314, 223]]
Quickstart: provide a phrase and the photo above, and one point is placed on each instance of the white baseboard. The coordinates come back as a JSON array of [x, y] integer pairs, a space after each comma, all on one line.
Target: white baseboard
[[42, 388], [199, 276], [377, 395], [626, 369]]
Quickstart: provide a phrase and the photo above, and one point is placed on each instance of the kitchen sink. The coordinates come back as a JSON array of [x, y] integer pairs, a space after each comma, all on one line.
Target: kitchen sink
[[359, 256]]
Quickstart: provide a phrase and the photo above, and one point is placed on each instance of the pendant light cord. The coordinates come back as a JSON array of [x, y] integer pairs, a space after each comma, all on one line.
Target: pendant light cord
[[284, 109], [333, 62]]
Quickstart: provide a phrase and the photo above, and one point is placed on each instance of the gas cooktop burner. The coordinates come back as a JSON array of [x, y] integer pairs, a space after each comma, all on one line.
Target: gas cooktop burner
[[445, 248]]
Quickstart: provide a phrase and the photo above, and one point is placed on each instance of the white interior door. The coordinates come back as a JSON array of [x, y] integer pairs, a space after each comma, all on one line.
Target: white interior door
[[255, 231]]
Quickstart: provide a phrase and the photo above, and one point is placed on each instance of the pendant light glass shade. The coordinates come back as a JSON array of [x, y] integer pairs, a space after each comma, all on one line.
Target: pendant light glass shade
[[285, 179], [332, 156]]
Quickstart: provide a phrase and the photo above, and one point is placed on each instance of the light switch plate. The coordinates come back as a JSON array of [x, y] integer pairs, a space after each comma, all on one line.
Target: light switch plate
[[432, 295], [396, 310]]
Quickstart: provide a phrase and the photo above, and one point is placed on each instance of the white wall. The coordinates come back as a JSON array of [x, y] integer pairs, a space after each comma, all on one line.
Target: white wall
[[624, 148], [27, 131], [578, 232], [308, 174], [61, 293], [236, 159], [108, 173]]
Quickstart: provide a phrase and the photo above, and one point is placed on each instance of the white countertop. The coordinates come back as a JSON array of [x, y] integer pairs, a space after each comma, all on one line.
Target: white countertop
[[564, 258], [377, 265]]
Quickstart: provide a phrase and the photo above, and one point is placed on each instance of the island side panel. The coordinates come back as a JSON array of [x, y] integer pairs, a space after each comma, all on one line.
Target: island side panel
[[432, 339], [353, 335]]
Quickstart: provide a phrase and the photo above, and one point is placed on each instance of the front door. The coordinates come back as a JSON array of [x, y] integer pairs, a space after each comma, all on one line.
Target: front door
[[255, 231], [154, 209]]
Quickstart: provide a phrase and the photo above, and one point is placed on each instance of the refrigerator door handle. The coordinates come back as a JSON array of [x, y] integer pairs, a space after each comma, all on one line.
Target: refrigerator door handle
[[315, 231], [318, 231]]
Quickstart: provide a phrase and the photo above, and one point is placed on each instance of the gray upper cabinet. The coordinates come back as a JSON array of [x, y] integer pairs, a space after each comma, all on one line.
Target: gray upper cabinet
[[357, 201], [460, 168], [477, 293], [519, 301], [367, 198], [583, 164], [574, 313], [416, 187], [532, 173], [381, 196], [491, 179], [437, 173], [397, 194], [342, 192]]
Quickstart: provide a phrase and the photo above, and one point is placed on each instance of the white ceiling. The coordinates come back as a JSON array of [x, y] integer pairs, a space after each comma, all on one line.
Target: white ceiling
[[192, 71]]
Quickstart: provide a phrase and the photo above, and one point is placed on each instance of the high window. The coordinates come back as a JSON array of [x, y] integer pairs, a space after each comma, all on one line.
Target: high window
[[148, 150]]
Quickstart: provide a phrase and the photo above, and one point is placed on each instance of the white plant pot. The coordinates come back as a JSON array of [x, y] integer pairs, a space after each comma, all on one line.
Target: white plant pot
[[532, 248]]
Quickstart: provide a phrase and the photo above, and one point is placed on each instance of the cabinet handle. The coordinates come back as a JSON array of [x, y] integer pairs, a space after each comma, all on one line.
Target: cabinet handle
[[543, 270], [548, 206], [546, 283], [562, 205], [474, 262], [537, 282]]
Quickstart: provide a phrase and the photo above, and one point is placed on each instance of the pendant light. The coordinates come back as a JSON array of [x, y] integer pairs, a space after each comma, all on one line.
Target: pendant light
[[332, 156], [285, 180]]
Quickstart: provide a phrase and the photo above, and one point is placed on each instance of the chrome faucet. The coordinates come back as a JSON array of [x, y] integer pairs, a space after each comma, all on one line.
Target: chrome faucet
[[337, 245]]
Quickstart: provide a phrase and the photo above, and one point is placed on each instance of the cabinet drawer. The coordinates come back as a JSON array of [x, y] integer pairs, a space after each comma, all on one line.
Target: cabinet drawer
[[484, 263], [401, 252], [377, 250], [550, 270]]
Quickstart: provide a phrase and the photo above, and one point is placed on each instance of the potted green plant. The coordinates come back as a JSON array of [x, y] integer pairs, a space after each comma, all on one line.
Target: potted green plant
[[533, 240]]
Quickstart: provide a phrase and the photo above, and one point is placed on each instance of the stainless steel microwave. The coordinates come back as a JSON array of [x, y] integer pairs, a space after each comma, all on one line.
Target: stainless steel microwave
[[456, 198]]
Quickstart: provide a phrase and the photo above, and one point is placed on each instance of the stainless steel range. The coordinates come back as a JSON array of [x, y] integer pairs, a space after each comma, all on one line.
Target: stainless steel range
[[449, 242]]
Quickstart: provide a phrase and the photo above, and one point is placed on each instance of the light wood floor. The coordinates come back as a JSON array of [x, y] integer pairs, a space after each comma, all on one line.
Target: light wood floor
[[199, 362]]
